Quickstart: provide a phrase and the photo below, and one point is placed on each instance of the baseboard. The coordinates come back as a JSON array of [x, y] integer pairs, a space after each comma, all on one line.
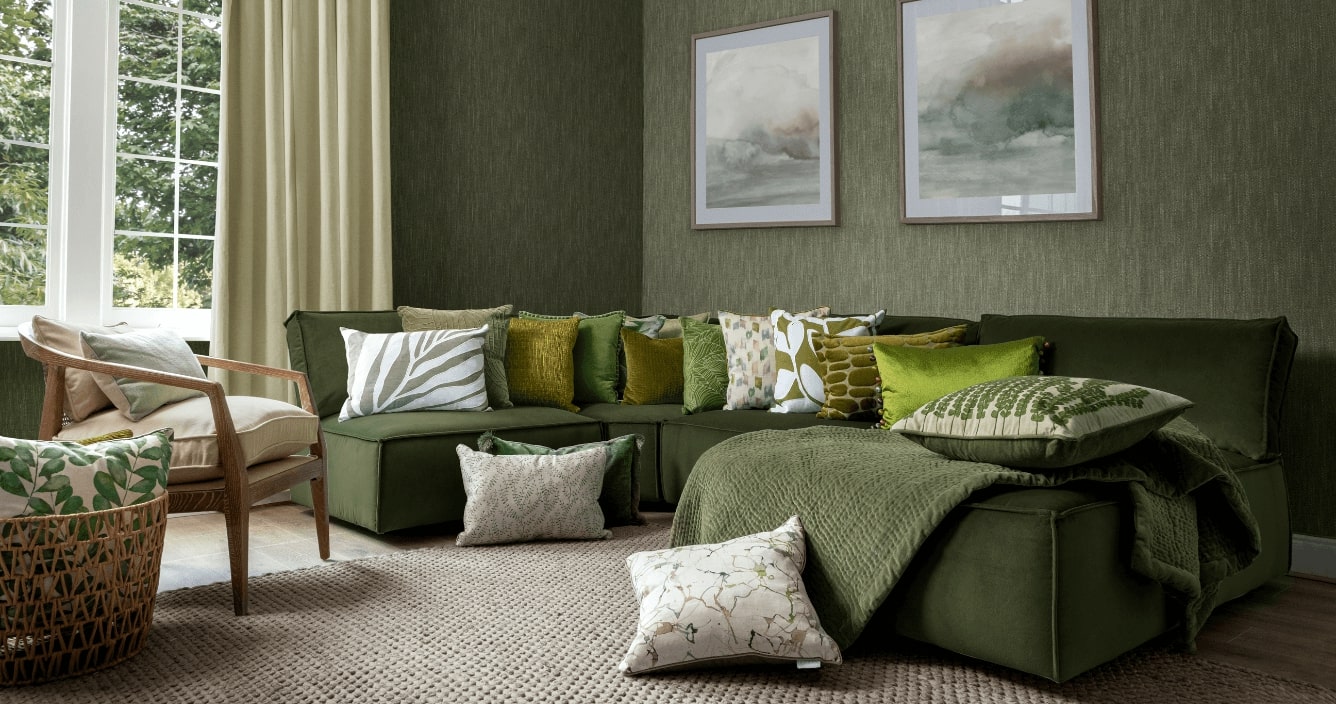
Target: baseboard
[[1315, 556]]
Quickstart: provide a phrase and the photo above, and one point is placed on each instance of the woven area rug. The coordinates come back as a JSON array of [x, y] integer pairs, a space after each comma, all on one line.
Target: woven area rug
[[545, 622]]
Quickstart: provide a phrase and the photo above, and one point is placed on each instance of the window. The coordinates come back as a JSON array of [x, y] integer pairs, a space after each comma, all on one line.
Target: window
[[107, 212]]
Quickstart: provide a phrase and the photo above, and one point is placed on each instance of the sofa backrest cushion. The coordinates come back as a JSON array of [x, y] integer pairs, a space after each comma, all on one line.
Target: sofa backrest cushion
[[1234, 371], [914, 324], [315, 347]]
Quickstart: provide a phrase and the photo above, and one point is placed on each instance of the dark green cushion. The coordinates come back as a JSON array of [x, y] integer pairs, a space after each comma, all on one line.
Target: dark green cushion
[[596, 355], [643, 421], [620, 497], [315, 347], [1188, 357]]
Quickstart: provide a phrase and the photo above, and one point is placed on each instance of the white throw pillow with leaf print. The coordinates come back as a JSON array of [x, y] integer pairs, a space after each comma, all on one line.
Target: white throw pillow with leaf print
[[426, 370], [798, 384], [517, 498], [43, 478], [739, 601]]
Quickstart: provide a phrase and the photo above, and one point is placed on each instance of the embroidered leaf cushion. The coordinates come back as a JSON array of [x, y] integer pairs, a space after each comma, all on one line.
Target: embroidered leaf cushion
[[798, 387], [738, 601], [653, 369], [40, 478], [516, 498], [428, 370], [158, 349], [595, 354], [849, 369], [619, 498], [497, 321], [540, 362], [704, 366], [913, 376], [1040, 422], [749, 342]]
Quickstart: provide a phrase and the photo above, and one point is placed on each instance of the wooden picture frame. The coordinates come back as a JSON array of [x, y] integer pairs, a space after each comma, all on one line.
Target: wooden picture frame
[[998, 110], [763, 151]]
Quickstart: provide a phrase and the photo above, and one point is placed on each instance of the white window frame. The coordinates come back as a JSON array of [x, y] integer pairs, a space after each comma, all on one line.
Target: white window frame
[[82, 199]]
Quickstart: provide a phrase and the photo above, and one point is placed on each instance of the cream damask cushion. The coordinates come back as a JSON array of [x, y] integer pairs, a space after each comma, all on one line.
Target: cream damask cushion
[[268, 430], [427, 370], [798, 387], [738, 601], [83, 397], [749, 341], [517, 498]]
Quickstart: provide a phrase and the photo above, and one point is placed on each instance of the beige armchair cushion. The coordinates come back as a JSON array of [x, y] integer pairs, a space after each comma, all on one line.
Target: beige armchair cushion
[[82, 395], [268, 430]]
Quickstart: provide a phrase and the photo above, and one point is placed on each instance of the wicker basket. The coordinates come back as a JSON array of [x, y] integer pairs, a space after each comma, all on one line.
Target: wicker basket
[[77, 591]]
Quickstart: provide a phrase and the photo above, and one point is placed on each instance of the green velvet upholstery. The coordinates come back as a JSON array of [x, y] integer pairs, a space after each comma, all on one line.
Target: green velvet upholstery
[[646, 422], [1235, 371], [1264, 482], [315, 347], [685, 438]]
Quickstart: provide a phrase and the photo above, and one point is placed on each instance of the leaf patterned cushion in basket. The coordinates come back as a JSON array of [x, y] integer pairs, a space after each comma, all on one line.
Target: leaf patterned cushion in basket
[[43, 478], [428, 370]]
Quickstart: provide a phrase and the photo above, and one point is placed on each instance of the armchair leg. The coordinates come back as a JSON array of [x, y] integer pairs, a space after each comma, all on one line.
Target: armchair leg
[[321, 506], [238, 547]]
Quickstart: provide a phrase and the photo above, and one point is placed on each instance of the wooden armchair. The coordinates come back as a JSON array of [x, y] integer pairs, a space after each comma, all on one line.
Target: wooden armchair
[[240, 485]]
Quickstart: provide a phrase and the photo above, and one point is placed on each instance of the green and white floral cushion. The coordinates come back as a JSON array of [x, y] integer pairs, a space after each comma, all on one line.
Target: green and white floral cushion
[[516, 498], [43, 478], [1040, 422], [738, 601], [427, 370], [798, 387]]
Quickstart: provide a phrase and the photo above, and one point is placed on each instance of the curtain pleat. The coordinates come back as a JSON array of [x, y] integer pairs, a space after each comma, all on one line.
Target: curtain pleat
[[304, 194]]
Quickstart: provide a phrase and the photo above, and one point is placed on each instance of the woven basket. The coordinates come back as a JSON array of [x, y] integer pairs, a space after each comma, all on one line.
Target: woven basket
[[77, 591]]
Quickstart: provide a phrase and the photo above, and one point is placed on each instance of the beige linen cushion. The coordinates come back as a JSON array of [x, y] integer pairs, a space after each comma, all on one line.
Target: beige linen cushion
[[268, 430], [82, 395]]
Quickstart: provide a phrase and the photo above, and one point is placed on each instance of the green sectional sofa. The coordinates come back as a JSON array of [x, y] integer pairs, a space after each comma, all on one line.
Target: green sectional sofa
[[1034, 579]]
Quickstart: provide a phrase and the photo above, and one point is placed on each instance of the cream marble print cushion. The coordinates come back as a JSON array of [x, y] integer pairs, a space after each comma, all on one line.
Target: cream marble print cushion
[[517, 498], [741, 600]]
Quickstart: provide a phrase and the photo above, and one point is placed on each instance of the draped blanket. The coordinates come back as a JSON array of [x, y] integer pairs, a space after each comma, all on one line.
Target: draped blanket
[[869, 499]]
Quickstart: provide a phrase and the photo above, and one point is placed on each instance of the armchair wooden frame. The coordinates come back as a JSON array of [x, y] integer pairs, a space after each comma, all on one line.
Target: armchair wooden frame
[[240, 487]]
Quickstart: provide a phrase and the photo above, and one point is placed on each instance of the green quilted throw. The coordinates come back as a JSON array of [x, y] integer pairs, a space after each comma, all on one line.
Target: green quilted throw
[[864, 493]]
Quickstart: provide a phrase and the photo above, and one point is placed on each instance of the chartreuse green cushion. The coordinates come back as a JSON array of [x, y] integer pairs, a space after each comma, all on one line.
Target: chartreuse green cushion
[[315, 347], [595, 354], [913, 376], [620, 496]]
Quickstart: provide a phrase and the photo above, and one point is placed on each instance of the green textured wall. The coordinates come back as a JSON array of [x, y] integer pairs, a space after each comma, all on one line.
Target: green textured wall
[[1218, 137], [515, 146]]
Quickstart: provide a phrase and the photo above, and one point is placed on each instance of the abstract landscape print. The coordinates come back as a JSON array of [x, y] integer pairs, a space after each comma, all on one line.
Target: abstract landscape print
[[763, 128]]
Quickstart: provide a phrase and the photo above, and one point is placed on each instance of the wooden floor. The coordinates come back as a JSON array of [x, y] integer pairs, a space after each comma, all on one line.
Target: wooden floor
[[1287, 628]]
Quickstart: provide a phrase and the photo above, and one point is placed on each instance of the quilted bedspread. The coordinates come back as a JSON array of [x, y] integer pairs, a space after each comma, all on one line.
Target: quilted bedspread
[[869, 499]]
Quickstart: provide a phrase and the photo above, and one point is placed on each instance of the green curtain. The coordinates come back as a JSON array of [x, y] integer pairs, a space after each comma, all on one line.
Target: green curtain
[[304, 194]]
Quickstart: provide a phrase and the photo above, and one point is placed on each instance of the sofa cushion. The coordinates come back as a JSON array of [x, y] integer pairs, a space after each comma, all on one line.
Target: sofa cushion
[[620, 496], [704, 367], [798, 387], [158, 349], [518, 498], [268, 430], [425, 370], [497, 321], [1187, 357], [849, 369], [653, 369], [46, 478], [595, 354], [315, 347], [83, 397], [915, 324], [540, 362], [913, 376]]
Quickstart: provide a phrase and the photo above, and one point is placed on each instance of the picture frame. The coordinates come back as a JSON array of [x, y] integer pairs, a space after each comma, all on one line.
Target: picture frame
[[763, 133], [998, 111]]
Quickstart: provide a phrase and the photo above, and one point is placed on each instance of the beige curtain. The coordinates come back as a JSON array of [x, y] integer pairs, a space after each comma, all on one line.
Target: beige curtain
[[304, 193]]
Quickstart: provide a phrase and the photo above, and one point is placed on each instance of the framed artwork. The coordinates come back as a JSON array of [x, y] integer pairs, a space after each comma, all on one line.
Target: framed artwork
[[999, 112], [763, 124]]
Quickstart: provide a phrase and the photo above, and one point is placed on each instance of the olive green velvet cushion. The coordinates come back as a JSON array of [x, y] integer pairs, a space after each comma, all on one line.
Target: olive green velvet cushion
[[595, 354], [653, 369], [913, 376], [1040, 422], [497, 321], [704, 366], [540, 363], [316, 348], [620, 496], [849, 369]]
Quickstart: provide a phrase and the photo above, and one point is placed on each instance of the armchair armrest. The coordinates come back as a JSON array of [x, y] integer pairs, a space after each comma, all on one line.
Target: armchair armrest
[[299, 378]]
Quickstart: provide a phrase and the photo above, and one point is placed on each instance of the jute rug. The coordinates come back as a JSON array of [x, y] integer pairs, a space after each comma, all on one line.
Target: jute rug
[[545, 622]]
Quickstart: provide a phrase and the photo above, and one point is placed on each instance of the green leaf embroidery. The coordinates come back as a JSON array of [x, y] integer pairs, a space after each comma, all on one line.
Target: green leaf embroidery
[[7, 454], [21, 468], [100, 503], [151, 453], [75, 504], [52, 467], [106, 489], [40, 507], [143, 486], [12, 484], [63, 495], [55, 484], [52, 453]]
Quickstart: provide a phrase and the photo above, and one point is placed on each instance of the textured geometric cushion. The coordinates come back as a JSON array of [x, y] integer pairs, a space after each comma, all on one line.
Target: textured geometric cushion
[[268, 430], [158, 349], [516, 498], [595, 354], [620, 497], [55, 478], [704, 366], [653, 369], [1042, 422], [798, 387], [739, 601], [428, 370], [912, 376], [497, 321], [749, 341], [849, 369], [82, 395], [540, 362]]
